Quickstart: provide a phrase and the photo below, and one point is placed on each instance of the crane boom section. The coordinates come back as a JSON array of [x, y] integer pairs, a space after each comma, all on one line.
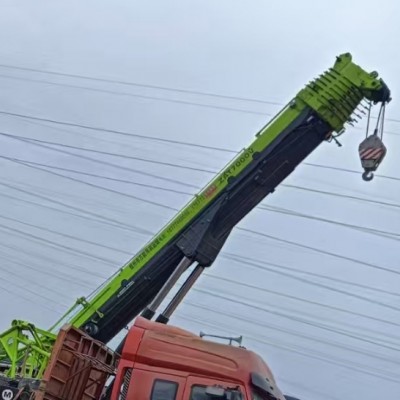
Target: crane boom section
[[324, 106]]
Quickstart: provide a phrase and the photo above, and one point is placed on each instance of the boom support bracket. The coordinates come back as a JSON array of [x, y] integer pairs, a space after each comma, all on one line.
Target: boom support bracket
[[25, 350]]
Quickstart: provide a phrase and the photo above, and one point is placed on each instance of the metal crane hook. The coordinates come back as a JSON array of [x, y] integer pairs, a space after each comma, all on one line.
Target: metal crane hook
[[372, 151]]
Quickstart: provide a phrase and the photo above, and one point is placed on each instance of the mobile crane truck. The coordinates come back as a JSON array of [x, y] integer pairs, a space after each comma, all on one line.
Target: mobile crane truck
[[71, 360]]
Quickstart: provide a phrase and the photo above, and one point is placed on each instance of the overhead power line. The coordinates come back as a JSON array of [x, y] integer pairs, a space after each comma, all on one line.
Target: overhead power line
[[74, 171], [261, 264], [347, 196], [247, 230], [154, 203], [107, 153], [15, 260], [135, 84], [139, 96], [364, 229], [381, 233], [302, 188], [163, 140], [296, 318], [237, 258], [102, 162], [15, 273], [18, 251], [27, 299], [297, 334], [112, 221], [114, 131], [53, 244], [246, 261], [64, 235], [297, 298], [325, 252], [27, 289], [244, 229], [86, 215], [169, 164], [305, 352]]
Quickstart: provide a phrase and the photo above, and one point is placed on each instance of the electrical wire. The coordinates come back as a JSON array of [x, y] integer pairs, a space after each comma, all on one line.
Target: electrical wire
[[108, 153], [315, 303], [308, 247], [129, 182], [329, 193], [137, 84], [213, 171], [185, 167], [262, 207], [358, 335], [381, 233], [154, 203], [28, 299], [62, 247], [352, 335], [110, 221], [102, 162], [260, 263], [139, 96], [296, 187], [65, 235], [247, 262], [364, 229], [296, 334], [370, 265], [292, 318], [32, 292], [49, 272], [152, 138], [229, 256], [12, 261], [308, 353], [373, 231], [320, 251], [31, 281], [114, 131]]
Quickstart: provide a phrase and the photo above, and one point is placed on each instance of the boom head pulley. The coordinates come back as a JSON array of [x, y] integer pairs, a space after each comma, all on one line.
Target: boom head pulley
[[372, 151]]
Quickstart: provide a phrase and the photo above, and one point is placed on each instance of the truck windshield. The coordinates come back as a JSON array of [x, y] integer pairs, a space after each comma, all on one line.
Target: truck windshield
[[199, 393]]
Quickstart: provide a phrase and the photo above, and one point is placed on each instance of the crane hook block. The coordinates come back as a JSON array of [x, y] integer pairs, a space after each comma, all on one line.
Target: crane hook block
[[372, 152]]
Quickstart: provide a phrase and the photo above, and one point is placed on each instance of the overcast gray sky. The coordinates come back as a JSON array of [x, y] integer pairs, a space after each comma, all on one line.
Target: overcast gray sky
[[264, 50]]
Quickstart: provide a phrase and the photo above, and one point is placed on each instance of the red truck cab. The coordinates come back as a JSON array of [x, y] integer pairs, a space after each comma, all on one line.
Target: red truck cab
[[162, 362]]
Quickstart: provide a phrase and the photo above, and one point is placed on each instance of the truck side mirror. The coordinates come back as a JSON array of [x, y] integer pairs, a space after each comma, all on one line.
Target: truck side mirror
[[263, 384]]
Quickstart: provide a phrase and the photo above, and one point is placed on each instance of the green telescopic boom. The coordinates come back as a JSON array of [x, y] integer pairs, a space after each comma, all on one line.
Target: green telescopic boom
[[200, 229]]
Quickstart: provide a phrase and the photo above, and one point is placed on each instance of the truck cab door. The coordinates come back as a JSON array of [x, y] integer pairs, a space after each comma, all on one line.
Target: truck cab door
[[195, 389]]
